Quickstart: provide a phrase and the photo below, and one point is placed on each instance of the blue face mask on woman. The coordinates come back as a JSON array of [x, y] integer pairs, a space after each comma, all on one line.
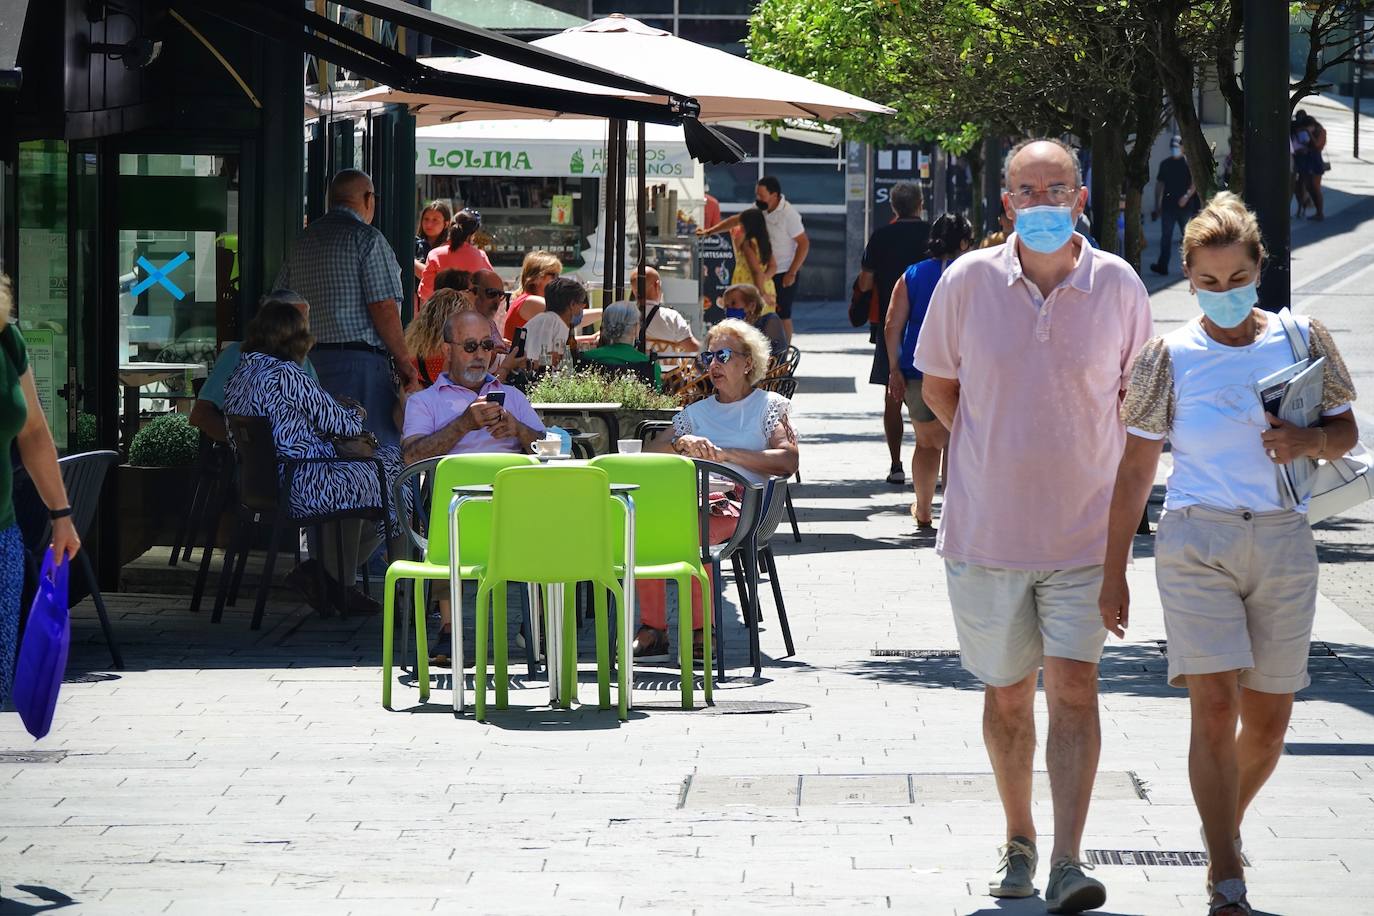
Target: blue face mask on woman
[[1228, 309], [1045, 229]]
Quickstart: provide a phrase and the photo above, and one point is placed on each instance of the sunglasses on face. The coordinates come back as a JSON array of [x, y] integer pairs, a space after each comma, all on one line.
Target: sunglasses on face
[[724, 354], [470, 346], [492, 292]]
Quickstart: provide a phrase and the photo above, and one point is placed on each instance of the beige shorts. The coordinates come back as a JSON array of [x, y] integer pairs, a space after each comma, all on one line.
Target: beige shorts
[[1239, 591], [1008, 620]]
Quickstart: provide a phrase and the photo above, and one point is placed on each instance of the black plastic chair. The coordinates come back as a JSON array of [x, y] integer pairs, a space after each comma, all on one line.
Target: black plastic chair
[[214, 474], [265, 498], [643, 371], [83, 476], [741, 549]]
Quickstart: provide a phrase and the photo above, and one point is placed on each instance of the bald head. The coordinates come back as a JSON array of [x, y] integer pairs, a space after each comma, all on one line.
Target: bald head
[[1051, 160], [653, 286], [486, 289], [352, 188]]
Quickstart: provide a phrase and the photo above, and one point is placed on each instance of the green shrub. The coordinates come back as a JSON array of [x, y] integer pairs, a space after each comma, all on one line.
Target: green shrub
[[587, 386], [167, 442], [85, 431]]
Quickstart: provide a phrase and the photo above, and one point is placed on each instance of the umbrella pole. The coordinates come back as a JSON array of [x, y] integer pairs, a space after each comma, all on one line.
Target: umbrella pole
[[611, 212], [621, 164], [640, 217]]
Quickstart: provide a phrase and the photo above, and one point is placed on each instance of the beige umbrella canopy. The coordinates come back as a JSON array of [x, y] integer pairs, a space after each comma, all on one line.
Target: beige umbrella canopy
[[729, 88]]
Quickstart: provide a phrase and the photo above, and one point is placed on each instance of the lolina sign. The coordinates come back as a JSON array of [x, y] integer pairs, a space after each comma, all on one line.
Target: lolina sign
[[552, 159]]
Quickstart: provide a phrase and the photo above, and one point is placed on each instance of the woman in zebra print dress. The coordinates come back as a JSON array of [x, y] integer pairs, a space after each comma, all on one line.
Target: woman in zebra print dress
[[270, 383]]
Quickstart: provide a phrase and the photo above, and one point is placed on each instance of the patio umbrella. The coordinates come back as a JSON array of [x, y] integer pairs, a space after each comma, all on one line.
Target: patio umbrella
[[728, 88]]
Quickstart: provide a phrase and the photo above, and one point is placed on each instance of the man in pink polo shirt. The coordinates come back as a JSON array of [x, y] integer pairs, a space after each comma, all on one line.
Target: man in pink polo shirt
[[1026, 351], [457, 414]]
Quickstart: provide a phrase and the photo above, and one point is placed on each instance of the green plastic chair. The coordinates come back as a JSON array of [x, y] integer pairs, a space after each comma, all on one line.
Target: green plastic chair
[[667, 543], [551, 526], [475, 527]]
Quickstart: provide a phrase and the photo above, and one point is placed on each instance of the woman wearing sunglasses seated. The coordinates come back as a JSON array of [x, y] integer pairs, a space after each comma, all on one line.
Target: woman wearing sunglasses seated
[[740, 426]]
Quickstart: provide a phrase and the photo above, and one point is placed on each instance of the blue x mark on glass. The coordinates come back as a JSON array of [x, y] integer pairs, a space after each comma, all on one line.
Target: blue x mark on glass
[[159, 275]]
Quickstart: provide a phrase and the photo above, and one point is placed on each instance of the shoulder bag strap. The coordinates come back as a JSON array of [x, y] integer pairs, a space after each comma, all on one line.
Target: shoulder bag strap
[[1295, 338], [644, 328]]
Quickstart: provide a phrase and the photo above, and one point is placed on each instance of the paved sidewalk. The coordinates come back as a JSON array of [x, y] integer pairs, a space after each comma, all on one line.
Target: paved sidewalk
[[231, 772]]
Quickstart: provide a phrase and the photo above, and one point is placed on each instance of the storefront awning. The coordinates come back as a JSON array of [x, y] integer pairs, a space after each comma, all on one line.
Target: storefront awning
[[12, 15]]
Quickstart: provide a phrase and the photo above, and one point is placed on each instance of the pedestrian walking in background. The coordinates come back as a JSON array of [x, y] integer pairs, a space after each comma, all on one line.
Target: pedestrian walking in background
[[459, 252], [892, 249], [1310, 164], [1236, 566], [431, 232], [787, 236], [1175, 200], [754, 261], [1025, 352], [23, 424], [343, 266], [951, 236]]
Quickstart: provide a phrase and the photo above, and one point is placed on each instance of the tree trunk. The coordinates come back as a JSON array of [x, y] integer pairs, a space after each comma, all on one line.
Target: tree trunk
[[1227, 37], [1108, 168], [974, 156], [1147, 109], [1179, 78]]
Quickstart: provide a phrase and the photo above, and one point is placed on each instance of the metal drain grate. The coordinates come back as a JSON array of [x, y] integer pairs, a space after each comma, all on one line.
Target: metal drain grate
[[1187, 858], [914, 653], [32, 756]]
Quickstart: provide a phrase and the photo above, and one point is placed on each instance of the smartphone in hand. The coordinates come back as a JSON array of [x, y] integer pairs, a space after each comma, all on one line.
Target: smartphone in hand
[[496, 397], [518, 341]]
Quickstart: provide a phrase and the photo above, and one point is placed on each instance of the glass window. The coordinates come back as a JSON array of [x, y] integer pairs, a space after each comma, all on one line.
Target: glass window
[[725, 34], [732, 183], [41, 281], [788, 148], [803, 183], [573, 7], [631, 7], [716, 7]]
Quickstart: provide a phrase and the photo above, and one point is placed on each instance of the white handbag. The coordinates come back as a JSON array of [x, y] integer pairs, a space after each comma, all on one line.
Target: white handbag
[[1340, 483]]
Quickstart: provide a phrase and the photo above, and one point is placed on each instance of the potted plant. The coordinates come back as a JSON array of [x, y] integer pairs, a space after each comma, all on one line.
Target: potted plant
[[638, 401], [155, 486]]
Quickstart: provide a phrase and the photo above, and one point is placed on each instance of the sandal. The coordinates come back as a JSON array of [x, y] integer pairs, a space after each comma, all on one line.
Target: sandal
[[439, 652], [927, 525], [1232, 900], [897, 475], [651, 643]]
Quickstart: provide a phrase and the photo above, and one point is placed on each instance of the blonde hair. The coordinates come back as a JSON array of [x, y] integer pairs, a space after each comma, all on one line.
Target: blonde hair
[[536, 264], [425, 336], [1224, 221], [753, 299], [755, 344]]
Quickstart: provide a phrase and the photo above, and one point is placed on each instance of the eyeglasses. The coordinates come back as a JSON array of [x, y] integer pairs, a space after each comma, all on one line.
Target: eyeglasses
[[1056, 194], [724, 354], [491, 292], [470, 346]]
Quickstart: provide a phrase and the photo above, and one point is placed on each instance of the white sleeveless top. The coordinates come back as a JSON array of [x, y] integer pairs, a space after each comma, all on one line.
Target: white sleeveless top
[[746, 424]]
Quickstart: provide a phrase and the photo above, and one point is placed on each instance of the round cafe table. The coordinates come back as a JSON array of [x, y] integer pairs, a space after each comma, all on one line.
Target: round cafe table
[[553, 655]]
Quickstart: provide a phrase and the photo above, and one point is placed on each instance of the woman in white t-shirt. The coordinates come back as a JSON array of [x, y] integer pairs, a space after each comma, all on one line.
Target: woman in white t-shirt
[[1236, 566], [740, 426]]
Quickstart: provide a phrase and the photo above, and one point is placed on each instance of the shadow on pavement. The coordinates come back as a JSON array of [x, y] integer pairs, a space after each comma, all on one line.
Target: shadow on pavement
[[52, 900]]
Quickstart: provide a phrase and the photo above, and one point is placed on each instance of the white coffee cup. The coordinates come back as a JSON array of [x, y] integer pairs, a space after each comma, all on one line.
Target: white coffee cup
[[629, 446], [548, 448]]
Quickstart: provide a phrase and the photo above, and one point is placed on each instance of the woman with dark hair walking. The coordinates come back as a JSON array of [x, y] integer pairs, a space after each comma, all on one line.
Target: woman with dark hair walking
[[460, 252], [754, 261], [951, 236]]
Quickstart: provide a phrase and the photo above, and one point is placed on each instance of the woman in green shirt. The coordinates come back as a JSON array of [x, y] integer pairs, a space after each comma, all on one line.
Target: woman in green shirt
[[22, 422], [619, 336]]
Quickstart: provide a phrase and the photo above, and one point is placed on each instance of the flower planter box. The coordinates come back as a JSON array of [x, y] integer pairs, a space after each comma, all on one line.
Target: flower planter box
[[153, 503]]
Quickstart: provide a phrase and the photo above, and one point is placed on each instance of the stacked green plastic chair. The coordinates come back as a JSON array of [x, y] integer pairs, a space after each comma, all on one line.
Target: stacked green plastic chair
[[551, 526], [475, 533], [667, 543]]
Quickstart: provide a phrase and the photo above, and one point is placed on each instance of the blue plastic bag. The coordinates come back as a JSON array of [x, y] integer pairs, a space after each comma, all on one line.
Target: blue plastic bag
[[43, 655]]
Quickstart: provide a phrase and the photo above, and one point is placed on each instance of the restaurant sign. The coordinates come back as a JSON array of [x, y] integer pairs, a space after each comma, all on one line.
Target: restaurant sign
[[554, 159]]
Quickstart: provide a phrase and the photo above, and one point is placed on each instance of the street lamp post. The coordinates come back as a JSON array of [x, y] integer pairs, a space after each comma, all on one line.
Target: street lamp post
[[1268, 164]]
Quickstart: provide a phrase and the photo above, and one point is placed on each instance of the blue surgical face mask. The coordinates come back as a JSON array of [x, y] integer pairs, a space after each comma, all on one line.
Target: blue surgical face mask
[[1228, 309], [1045, 229]]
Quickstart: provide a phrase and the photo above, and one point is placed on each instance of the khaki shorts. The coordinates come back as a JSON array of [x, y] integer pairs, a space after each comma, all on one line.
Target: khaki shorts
[[1008, 620], [1239, 591], [915, 404]]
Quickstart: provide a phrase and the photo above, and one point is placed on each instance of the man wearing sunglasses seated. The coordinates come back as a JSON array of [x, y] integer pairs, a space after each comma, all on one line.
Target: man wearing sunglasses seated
[[458, 414]]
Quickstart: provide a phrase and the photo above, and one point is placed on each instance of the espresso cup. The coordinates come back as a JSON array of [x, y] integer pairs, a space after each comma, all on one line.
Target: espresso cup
[[547, 448], [629, 446]]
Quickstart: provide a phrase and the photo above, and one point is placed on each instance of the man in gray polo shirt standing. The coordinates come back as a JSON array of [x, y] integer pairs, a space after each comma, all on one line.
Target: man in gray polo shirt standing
[[345, 269]]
